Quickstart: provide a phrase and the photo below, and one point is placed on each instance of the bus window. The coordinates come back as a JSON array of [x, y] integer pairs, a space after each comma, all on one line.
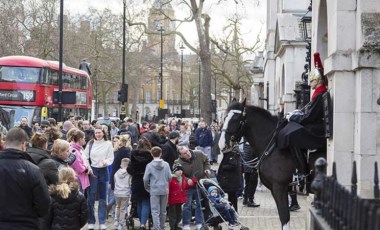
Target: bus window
[[20, 74], [53, 77]]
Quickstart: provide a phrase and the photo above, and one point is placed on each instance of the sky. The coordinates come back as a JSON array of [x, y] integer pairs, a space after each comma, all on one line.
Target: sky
[[253, 15]]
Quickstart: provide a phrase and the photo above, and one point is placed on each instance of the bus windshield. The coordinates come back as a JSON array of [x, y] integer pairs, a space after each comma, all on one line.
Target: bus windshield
[[20, 74], [10, 116]]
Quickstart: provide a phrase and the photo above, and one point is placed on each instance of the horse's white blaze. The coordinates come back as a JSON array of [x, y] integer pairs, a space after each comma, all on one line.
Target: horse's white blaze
[[286, 226], [222, 140]]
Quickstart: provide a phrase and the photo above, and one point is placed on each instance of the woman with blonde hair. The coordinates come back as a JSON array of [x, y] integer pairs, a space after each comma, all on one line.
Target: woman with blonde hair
[[68, 208], [60, 152], [123, 150], [99, 154], [76, 139]]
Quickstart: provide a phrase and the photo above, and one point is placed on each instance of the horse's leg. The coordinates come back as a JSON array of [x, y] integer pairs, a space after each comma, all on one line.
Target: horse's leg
[[280, 195]]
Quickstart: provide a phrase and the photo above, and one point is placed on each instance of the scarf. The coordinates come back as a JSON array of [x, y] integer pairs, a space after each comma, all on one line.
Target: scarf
[[317, 91]]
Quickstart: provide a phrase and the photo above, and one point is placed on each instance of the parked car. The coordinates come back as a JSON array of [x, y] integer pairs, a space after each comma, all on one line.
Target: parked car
[[107, 120]]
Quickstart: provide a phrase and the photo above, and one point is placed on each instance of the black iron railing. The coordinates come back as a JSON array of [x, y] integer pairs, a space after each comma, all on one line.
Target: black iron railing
[[335, 207]]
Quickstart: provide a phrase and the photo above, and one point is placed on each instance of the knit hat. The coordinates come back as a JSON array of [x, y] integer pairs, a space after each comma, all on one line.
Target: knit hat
[[211, 188], [173, 135], [176, 167]]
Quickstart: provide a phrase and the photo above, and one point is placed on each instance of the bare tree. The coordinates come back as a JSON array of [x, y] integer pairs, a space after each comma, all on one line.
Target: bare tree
[[231, 61]]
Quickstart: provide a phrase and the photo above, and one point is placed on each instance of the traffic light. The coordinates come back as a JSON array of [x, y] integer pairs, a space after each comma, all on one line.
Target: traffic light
[[122, 94]]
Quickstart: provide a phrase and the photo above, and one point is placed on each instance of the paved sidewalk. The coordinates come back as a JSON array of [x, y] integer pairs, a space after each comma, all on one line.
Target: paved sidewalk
[[264, 217]]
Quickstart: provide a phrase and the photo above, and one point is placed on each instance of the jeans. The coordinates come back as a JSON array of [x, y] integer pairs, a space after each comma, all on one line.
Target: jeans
[[143, 210], [207, 151], [98, 185], [186, 212]]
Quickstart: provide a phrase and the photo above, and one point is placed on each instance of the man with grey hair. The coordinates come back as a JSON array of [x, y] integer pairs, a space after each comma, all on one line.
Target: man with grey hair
[[67, 125], [24, 193], [194, 164]]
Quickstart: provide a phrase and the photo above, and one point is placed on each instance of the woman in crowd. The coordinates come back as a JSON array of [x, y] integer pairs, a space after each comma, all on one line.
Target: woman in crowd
[[99, 154], [140, 157], [52, 134], [163, 132], [184, 135], [42, 158], [60, 152], [122, 150], [76, 139]]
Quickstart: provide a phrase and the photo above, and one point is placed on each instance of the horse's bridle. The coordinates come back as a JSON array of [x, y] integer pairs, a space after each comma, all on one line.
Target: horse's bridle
[[235, 139]]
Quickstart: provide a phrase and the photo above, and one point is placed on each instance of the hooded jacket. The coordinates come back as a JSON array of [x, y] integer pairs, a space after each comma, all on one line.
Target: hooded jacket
[[122, 183], [47, 165], [156, 177], [24, 196], [136, 168]]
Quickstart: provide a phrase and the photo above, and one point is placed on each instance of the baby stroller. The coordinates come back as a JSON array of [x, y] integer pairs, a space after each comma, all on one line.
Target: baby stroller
[[211, 215]]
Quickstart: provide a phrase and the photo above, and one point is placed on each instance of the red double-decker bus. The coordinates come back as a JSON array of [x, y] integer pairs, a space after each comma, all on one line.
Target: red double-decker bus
[[28, 86]]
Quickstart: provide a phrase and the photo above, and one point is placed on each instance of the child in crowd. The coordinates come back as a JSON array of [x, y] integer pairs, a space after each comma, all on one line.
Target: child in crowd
[[156, 181], [68, 208], [177, 195], [122, 193], [222, 205]]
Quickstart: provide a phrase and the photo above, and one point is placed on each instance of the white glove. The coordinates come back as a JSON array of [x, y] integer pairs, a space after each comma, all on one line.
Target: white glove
[[288, 115]]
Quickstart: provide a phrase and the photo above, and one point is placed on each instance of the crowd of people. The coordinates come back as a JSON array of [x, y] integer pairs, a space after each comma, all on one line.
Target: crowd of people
[[54, 174]]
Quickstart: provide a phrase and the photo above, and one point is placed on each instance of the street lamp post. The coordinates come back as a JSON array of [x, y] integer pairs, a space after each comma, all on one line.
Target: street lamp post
[[161, 67], [182, 48], [304, 92], [60, 86]]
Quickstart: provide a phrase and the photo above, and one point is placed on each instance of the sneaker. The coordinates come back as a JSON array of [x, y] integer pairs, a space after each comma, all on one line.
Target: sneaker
[[186, 227], [198, 226], [90, 227], [294, 207], [142, 227], [103, 226], [116, 223]]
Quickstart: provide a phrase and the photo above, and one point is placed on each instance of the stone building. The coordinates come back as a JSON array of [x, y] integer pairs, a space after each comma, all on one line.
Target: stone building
[[347, 36]]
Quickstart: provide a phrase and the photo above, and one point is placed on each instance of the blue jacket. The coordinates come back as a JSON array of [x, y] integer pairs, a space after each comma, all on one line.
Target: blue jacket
[[203, 136]]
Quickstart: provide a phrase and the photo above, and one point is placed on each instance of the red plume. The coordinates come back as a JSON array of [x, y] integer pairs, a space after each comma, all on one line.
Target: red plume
[[318, 62]]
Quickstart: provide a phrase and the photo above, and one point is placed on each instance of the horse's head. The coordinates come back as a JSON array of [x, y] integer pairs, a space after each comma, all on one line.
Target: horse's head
[[233, 124]]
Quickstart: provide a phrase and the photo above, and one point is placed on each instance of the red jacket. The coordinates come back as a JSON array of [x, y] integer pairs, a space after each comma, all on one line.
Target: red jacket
[[177, 192]]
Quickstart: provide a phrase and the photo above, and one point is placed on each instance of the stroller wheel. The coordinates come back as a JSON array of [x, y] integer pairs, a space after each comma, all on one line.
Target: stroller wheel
[[204, 227]]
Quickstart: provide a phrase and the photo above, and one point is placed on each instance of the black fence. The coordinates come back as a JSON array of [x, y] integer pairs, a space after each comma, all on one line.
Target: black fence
[[335, 207]]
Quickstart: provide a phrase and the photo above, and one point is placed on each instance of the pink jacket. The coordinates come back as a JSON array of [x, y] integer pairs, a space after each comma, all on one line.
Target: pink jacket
[[79, 165]]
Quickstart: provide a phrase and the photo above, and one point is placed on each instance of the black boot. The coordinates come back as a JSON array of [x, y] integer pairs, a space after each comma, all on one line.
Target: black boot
[[294, 206], [252, 203], [245, 201], [300, 160]]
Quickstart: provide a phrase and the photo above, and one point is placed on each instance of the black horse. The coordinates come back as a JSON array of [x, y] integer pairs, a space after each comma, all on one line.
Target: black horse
[[276, 167]]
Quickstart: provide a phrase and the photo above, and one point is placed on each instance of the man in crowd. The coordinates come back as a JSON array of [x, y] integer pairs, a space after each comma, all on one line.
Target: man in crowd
[[88, 131], [24, 194], [204, 139], [24, 125], [194, 164], [169, 149]]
